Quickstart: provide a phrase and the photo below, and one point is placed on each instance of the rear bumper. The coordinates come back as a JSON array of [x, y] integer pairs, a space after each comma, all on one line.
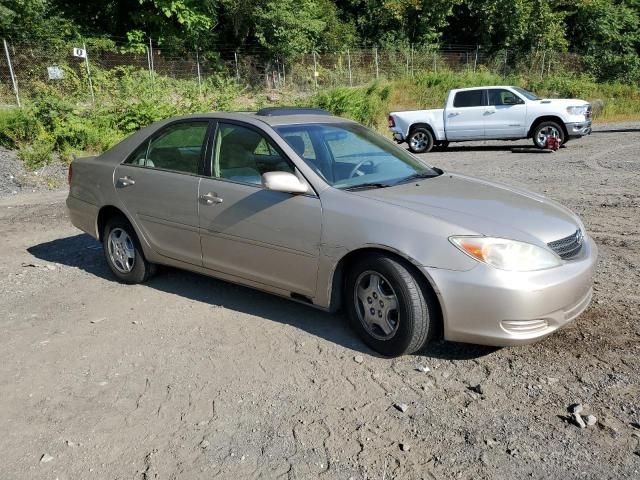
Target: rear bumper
[[579, 129], [493, 307], [398, 137], [83, 215]]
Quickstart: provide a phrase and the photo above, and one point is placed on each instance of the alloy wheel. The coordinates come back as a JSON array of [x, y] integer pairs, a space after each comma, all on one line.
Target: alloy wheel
[[122, 253]]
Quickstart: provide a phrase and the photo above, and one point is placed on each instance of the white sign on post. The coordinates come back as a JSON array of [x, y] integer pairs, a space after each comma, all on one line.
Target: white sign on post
[[55, 73], [80, 53]]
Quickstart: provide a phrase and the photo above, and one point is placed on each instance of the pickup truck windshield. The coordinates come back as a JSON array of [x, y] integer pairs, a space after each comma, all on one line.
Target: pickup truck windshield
[[526, 93], [348, 155]]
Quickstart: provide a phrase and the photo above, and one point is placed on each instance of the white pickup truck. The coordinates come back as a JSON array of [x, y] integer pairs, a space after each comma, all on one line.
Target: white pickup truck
[[492, 113]]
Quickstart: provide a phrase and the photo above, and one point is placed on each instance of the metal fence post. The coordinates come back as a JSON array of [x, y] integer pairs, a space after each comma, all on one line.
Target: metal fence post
[[349, 64], [152, 67], [86, 62], [13, 77], [544, 53], [377, 69], [284, 75], [435, 61], [475, 63], [506, 56], [199, 76], [235, 57], [315, 71], [146, 49]]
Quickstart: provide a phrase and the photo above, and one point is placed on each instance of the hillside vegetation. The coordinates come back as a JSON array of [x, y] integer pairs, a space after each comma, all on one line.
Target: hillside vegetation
[[56, 122]]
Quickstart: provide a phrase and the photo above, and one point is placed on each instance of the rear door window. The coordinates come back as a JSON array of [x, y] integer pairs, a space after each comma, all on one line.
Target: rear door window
[[469, 98], [177, 148]]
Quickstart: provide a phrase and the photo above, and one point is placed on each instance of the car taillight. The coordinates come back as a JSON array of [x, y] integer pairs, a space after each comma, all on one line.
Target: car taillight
[[392, 122], [70, 174]]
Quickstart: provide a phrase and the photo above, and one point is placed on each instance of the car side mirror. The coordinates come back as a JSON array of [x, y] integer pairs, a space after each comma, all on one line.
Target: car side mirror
[[283, 182]]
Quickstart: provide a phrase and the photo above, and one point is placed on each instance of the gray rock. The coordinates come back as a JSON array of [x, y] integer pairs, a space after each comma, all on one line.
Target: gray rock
[[403, 407], [576, 408], [423, 369], [204, 444], [478, 389], [405, 447], [590, 420], [577, 420], [46, 458], [358, 359]]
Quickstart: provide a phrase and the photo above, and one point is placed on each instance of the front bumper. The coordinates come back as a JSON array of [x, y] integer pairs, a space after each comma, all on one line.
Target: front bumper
[[579, 129], [493, 307]]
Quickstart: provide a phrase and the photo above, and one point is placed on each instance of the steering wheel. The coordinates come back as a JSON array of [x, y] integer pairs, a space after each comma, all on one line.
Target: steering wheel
[[357, 167]]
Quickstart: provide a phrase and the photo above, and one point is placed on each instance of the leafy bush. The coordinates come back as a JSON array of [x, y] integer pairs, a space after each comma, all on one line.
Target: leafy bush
[[18, 125], [37, 153]]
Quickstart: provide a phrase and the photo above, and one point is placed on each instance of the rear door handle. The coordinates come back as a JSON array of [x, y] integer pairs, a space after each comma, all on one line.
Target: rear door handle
[[210, 198], [454, 114], [125, 181], [489, 112]]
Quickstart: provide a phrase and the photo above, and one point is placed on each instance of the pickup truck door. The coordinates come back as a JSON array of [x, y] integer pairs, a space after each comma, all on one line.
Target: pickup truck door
[[505, 115], [464, 115]]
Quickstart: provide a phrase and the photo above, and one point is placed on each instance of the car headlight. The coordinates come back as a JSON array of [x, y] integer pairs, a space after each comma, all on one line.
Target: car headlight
[[581, 110], [507, 254]]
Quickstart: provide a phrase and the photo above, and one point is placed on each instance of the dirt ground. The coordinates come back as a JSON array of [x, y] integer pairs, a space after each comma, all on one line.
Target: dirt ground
[[189, 377]]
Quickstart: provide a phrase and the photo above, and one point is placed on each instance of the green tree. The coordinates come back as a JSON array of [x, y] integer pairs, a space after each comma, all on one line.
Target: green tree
[[607, 33]]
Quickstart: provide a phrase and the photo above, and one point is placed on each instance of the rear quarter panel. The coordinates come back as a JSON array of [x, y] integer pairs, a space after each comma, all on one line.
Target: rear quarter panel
[[433, 118]]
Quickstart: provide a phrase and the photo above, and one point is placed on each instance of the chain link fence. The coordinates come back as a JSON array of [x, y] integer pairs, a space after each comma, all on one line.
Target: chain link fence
[[26, 69]]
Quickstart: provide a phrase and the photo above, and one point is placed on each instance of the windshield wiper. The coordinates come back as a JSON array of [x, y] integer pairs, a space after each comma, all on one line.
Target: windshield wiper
[[417, 176], [367, 185]]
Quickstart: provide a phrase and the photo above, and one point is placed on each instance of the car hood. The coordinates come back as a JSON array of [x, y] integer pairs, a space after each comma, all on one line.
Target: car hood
[[562, 102], [483, 207]]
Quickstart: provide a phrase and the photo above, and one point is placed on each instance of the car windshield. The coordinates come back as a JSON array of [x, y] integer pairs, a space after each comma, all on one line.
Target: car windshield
[[526, 93], [348, 155]]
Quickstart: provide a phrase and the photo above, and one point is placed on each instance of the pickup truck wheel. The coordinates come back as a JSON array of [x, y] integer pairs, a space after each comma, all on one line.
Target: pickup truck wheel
[[387, 305], [123, 252], [420, 140], [545, 130]]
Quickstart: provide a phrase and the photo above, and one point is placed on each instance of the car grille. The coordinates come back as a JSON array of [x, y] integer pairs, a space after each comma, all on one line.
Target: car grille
[[568, 247]]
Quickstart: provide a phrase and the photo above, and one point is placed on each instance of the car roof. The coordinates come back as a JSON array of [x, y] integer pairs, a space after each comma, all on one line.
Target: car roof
[[275, 120], [482, 87]]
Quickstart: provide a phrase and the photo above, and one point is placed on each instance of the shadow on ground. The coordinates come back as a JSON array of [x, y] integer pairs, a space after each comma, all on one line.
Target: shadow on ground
[[83, 252]]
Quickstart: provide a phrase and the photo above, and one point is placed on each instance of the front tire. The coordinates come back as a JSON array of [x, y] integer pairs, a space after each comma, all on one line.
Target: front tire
[[545, 130], [123, 252], [388, 307], [420, 140]]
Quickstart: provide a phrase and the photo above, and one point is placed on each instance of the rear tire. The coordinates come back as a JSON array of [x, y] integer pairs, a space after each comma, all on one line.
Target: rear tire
[[420, 140], [388, 306], [123, 252], [545, 130]]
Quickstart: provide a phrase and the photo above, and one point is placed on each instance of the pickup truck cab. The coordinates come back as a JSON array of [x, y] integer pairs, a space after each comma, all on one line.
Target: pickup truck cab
[[492, 113]]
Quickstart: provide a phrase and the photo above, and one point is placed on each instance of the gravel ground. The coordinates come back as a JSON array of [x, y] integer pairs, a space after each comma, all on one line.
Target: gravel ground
[[189, 377], [14, 179]]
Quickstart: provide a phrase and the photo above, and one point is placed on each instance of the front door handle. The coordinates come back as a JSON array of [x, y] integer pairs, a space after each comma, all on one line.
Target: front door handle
[[210, 198], [125, 181], [489, 112]]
